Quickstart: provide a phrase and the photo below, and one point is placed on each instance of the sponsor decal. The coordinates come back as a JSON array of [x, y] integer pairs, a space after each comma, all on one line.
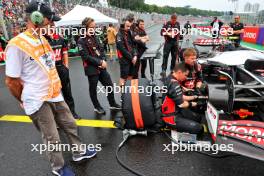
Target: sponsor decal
[[249, 131], [57, 54], [251, 34]]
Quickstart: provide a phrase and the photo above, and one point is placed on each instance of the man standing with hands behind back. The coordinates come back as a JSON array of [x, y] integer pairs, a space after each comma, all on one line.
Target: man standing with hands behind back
[[32, 78]]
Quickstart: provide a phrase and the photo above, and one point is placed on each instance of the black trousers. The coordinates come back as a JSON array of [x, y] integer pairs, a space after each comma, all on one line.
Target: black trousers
[[143, 66], [188, 121], [64, 75], [106, 81], [169, 47], [142, 63], [237, 43]]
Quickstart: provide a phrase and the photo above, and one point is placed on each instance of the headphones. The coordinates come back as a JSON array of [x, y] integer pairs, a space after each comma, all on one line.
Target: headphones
[[37, 17]]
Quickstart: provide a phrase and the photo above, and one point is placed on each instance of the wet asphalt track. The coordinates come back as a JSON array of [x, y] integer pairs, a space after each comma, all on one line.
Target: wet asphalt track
[[145, 154]]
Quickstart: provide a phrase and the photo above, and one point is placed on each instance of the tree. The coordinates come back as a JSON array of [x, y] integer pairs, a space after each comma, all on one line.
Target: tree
[[139, 5]]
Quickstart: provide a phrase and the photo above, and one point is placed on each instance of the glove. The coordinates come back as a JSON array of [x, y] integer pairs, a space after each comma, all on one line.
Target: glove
[[201, 104], [197, 92], [190, 93], [201, 90]]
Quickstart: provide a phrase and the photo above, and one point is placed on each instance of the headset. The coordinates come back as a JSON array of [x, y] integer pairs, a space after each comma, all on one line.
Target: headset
[[37, 17]]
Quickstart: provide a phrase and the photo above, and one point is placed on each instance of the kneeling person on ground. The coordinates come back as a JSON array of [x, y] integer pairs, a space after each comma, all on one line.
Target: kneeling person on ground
[[175, 107], [194, 82]]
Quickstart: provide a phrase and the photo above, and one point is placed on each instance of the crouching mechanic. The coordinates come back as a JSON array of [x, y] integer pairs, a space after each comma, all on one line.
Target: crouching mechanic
[[127, 53], [175, 107], [60, 48], [193, 85], [32, 79], [94, 62]]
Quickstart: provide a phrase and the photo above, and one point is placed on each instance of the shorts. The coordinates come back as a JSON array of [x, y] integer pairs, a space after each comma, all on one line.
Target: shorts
[[127, 70], [112, 47]]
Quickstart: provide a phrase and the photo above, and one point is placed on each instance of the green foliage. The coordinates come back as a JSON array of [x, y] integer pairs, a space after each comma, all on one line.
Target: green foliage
[[139, 5]]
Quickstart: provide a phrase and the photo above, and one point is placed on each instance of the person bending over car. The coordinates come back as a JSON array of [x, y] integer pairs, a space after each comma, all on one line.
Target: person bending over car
[[194, 82], [175, 107]]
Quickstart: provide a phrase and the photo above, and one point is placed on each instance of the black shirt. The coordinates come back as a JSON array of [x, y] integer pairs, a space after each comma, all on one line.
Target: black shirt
[[59, 45], [141, 47], [174, 90], [194, 76], [187, 26], [92, 54], [236, 27], [126, 47], [168, 28]]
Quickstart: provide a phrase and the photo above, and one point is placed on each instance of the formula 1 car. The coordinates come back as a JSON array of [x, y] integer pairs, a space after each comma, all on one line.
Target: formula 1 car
[[235, 110], [217, 45]]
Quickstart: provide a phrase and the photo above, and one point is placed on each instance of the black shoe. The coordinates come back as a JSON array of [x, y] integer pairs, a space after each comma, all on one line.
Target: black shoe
[[163, 74], [75, 115], [99, 110], [115, 107]]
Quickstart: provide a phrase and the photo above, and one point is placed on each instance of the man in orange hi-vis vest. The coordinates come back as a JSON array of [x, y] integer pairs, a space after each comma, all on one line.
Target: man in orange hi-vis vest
[[32, 79]]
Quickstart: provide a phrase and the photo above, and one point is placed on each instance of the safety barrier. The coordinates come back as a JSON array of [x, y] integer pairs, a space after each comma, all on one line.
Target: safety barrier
[[252, 34]]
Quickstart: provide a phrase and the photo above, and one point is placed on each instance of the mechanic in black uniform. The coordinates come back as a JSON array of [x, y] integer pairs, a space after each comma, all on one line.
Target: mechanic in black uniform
[[126, 52], [3, 41], [94, 62], [238, 29], [194, 81], [216, 27], [175, 107], [187, 27], [60, 48], [171, 33], [131, 18], [141, 38]]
